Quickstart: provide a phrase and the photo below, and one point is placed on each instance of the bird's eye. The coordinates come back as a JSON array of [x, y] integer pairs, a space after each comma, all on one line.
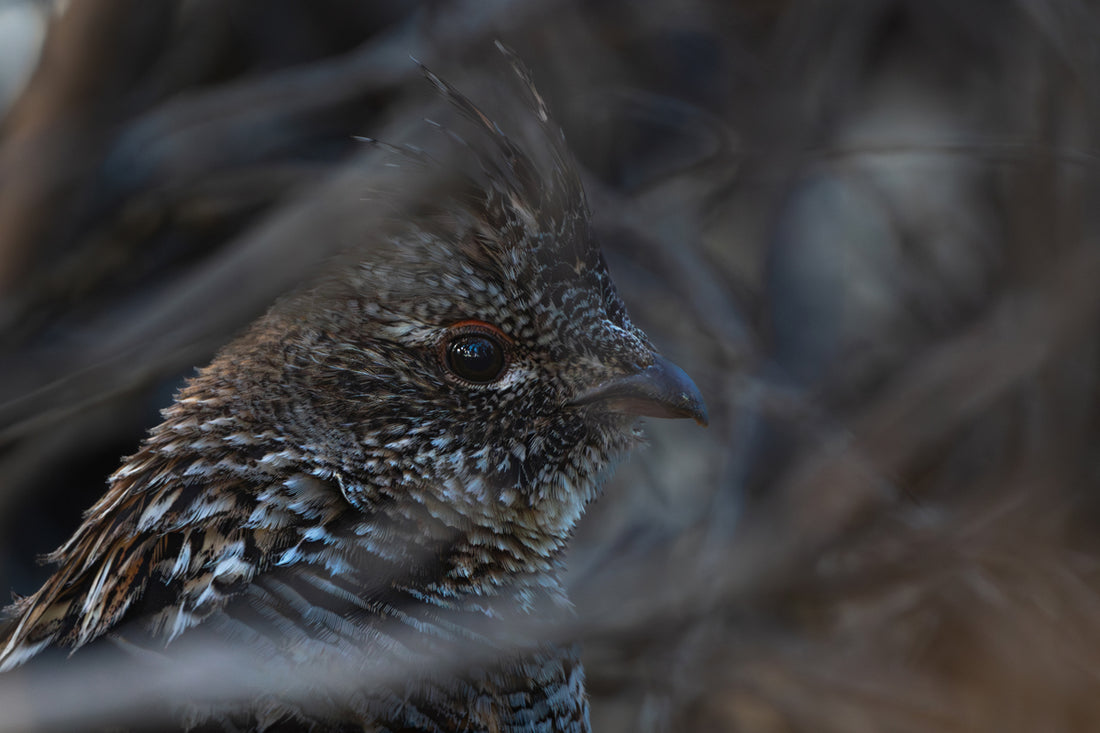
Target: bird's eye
[[475, 352]]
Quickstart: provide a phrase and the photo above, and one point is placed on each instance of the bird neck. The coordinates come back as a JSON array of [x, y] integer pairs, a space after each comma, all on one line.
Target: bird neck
[[462, 558]]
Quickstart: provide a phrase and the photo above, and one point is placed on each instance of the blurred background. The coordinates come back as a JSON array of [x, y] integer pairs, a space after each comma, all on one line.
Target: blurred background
[[867, 229]]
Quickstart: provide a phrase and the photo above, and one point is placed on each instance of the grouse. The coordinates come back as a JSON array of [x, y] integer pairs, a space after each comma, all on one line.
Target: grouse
[[386, 467]]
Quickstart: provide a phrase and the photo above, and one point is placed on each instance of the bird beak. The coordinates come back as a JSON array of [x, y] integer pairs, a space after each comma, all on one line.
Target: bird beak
[[662, 389]]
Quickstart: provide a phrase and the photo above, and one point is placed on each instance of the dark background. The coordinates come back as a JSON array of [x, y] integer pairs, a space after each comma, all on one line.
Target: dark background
[[867, 229]]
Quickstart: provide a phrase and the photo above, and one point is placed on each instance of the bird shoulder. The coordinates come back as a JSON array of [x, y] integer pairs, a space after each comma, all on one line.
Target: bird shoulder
[[163, 548]]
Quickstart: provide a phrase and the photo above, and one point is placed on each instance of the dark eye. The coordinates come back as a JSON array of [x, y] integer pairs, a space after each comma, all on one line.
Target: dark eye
[[475, 352]]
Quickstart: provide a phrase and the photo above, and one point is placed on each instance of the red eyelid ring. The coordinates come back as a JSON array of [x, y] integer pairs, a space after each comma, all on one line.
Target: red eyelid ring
[[473, 325]]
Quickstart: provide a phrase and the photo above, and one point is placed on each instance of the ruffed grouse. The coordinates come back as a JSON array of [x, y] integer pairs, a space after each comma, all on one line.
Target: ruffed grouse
[[399, 451]]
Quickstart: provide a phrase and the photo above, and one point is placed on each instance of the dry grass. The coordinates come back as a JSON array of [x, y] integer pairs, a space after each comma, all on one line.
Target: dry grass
[[869, 230]]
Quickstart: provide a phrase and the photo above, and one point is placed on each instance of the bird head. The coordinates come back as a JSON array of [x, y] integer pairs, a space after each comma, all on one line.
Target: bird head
[[479, 348]]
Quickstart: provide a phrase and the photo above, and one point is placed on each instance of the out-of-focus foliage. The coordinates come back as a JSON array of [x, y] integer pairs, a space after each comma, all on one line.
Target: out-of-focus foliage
[[867, 229]]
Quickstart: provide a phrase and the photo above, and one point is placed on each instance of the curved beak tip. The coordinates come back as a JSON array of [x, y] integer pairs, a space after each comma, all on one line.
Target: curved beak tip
[[689, 403], [696, 408]]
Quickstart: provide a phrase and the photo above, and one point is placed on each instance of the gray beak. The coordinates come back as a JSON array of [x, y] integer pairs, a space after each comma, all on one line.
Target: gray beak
[[662, 389]]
